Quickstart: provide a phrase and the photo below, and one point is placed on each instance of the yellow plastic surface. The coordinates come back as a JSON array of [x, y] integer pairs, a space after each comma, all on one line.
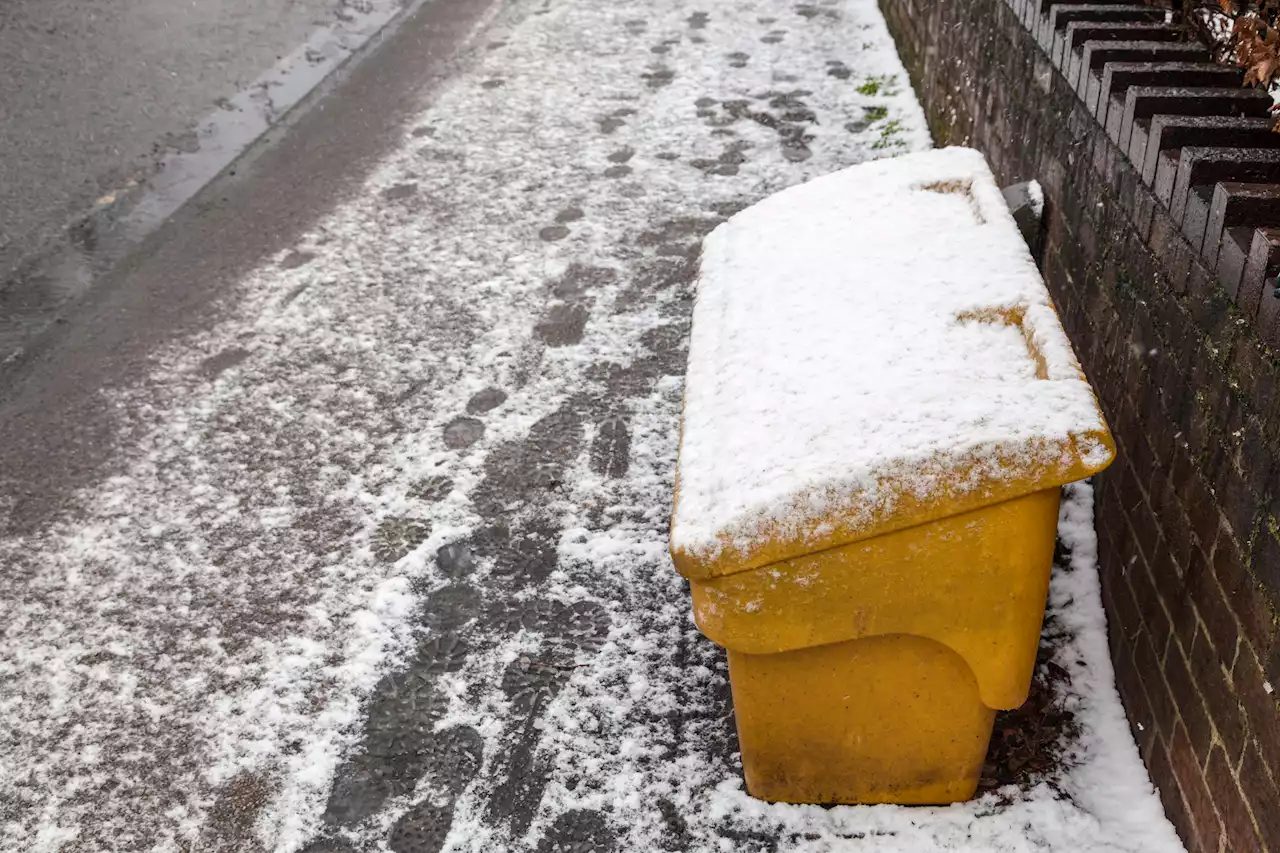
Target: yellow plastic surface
[[871, 672], [892, 719], [974, 582], [874, 627]]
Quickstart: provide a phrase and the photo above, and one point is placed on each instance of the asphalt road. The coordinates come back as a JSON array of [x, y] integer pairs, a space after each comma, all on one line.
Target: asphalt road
[[96, 94], [55, 436], [116, 116]]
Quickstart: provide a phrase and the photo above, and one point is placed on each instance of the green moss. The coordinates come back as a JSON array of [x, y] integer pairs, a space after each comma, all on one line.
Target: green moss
[[1126, 288], [1203, 406], [889, 135], [877, 85], [875, 113]]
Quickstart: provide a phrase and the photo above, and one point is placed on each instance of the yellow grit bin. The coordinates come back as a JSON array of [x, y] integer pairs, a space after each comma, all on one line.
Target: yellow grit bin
[[880, 409]]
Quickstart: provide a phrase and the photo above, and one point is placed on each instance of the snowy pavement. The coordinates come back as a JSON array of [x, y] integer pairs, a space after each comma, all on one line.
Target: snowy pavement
[[386, 566]]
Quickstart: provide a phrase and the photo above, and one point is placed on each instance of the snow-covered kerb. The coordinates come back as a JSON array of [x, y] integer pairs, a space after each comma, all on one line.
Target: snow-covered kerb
[[874, 338]]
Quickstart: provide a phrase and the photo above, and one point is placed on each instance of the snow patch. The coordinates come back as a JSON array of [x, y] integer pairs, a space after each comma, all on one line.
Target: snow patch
[[1037, 198]]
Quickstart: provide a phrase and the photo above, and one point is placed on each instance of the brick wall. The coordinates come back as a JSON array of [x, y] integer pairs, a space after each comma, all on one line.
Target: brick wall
[[1187, 516]]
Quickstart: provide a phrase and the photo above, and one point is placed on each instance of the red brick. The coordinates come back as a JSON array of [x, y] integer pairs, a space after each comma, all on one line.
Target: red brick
[[1272, 667], [1186, 696], [1200, 438], [1260, 707], [1256, 459], [1141, 456], [1253, 608], [1198, 562], [1154, 615], [1132, 495], [1240, 501], [1264, 561], [1228, 565], [1166, 577], [1177, 530], [1171, 797], [1253, 464], [1235, 415], [1215, 613], [1242, 596], [1133, 692], [1242, 835], [1204, 817], [1202, 510], [1185, 625], [1111, 529], [1247, 361], [1146, 529], [1262, 796], [1125, 618], [1180, 467], [1163, 706], [1160, 495], [1107, 575], [1220, 470], [1178, 401], [1131, 374], [1110, 539], [1224, 709], [1123, 496]]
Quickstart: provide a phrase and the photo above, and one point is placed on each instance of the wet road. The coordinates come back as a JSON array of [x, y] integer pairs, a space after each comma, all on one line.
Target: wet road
[[115, 116], [56, 435], [95, 94]]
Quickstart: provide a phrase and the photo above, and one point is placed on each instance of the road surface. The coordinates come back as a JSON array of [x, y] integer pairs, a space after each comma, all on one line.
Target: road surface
[[116, 114], [96, 94]]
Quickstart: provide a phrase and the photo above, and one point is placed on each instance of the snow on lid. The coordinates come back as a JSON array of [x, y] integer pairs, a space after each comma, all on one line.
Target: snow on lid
[[871, 350]]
